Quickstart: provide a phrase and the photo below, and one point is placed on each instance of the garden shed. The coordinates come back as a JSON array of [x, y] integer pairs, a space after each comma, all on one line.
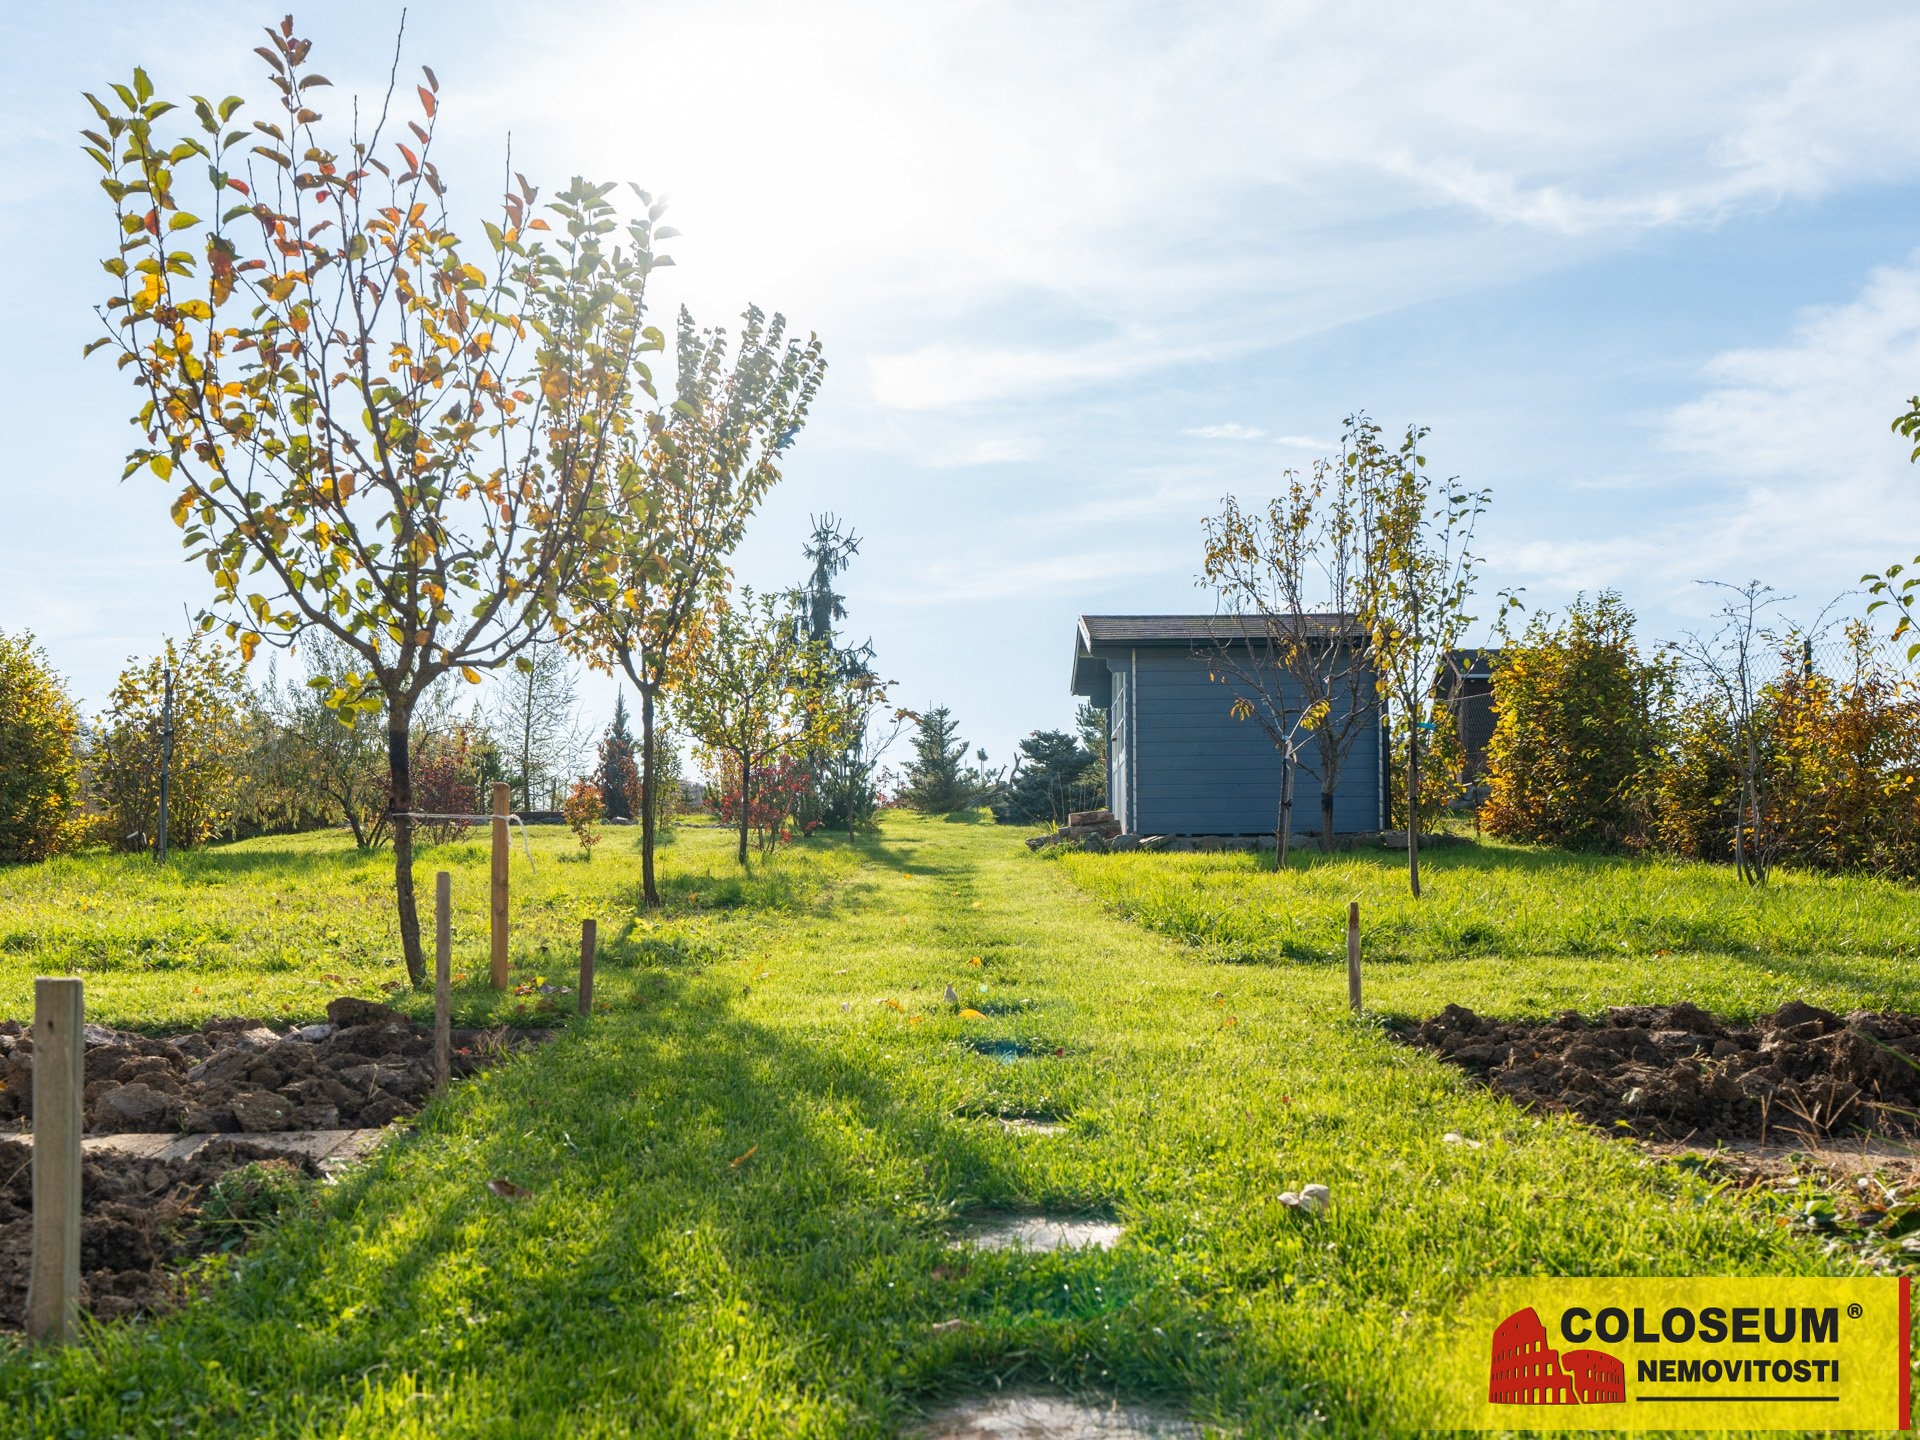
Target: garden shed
[[1178, 761]]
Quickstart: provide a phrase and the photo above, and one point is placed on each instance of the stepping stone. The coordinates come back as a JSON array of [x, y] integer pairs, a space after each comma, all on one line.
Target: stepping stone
[[1035, 1232], [1030, 1125], [1016, 1415], [329, 1149]]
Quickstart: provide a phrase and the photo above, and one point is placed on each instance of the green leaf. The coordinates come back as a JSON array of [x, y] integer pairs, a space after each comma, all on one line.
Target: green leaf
[[161, 465], [181, 220]]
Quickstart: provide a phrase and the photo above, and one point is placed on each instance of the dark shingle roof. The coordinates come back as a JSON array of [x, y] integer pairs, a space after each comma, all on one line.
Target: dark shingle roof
[[1201, 629]]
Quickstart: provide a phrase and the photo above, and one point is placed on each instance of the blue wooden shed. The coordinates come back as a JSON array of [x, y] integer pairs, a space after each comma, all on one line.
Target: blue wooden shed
[[1178, 761]]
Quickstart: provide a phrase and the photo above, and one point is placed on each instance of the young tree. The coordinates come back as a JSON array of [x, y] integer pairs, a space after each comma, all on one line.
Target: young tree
[[1413, 590], [683, 493], [209, 743], [336, 756], [1291, 576], [39, 765], [368, 432], [751, 701], [533, 720], [1729, 666]]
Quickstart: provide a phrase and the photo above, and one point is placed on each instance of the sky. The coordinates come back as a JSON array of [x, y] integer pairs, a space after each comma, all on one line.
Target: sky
[[1651, 273]]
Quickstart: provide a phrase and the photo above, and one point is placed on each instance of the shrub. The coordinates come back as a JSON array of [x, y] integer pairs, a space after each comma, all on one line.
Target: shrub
[[1050, 783], [582, 810], [39, 770], [211, 740], [259, 1193], [777, 789], [1578, 732]]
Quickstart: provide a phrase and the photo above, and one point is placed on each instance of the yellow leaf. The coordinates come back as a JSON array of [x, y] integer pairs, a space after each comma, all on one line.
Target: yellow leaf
[[470, 675], [249, 642], [971, 1014], [975, 960], [180, 508], [161, 465]]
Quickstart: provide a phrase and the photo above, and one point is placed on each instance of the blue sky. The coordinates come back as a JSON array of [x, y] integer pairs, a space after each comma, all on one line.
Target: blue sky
[[1652, 273]]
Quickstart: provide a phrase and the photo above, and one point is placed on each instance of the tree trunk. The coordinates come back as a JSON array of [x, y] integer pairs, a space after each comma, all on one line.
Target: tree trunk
[[1286, 813], [746, 804], [1413, 807], [400, 802], [649, 891], [1326, 821]]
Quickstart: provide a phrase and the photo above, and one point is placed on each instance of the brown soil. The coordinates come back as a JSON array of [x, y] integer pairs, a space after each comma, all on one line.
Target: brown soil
[[1677, 1073], [140, 1222], [366, 1067]]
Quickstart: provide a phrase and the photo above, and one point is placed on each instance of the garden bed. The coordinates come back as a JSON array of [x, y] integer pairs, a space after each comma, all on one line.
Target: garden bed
[[366, 1067], [143, 1219], [1678, 1073]]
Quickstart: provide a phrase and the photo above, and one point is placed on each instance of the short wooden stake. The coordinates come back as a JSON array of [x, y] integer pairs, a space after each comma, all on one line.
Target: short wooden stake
[[501, 850], [442, 979], [59, 1082], [1353, 956], [589, 940]]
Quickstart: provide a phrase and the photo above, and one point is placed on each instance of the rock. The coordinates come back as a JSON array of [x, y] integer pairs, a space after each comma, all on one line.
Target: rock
[[312, 1034], [127, 1109], [262, 1110], [208, 1119], [316, 1117], [1312, 1199], [100, 1035], [383, 1110], [347, 1012]]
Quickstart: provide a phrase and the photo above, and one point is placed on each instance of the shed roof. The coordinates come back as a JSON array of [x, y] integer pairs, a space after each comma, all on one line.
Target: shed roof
[[1089, 674], [1204, 629]]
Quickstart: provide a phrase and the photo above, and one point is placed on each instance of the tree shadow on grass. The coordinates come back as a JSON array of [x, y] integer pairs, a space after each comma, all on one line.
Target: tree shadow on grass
[[711, 1206]]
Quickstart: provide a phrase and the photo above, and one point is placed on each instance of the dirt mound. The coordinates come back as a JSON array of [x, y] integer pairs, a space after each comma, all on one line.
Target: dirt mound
[[141, 1220], [367, 1066], [1678, 1073]]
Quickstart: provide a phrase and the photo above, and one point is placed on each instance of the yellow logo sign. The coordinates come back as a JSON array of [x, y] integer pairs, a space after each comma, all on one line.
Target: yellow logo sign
[[1705, 1354]]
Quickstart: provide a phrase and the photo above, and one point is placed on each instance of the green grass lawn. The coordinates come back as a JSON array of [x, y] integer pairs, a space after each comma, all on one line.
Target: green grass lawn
[[1510, 930], [277, 927], [742, 1172]]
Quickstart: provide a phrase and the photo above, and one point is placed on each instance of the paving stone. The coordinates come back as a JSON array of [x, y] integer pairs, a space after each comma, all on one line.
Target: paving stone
[[1017, 1415], [327, 1148], [1035, 1232]]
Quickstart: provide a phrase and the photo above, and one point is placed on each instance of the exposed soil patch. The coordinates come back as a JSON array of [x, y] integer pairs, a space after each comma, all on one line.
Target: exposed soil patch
[[141, 1220], [367, 1066], [1678, 1073]]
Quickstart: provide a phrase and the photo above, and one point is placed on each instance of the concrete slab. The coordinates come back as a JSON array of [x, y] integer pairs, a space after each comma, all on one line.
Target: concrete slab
[[329, 1149], [1029, 1415], [1034, 1232]]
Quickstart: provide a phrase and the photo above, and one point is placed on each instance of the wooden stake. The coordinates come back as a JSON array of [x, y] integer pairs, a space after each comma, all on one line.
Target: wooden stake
[[442, 979], [59, 1082], [589, 940], [501, 849], [1353, 956]]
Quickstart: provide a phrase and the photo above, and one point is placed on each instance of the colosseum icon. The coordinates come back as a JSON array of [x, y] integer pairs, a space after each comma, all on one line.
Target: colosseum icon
[[1525, 1371]]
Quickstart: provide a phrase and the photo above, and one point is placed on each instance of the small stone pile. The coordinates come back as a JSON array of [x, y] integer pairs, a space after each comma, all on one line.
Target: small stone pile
[[1093, 829], [366, 1067]]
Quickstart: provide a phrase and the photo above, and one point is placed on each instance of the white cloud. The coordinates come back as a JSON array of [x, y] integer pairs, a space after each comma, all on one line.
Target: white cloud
[[1230, 430]]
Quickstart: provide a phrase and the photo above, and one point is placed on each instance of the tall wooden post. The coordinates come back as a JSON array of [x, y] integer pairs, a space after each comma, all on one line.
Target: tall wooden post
[[59, 1081], [501, 850], [589, 941], [442, 978], [1353, 956]]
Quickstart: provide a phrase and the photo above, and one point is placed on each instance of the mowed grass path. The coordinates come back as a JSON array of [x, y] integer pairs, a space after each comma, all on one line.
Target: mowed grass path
[[1511, 930], [741, 1175]]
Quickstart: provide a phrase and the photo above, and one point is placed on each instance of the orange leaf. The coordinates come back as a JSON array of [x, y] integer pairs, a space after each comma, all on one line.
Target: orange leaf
[[740, 1160], [507, 1190]]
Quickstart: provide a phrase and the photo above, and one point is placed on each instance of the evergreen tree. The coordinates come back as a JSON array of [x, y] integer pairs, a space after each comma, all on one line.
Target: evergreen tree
[[939, 781], [618, 773], [1048, 785]]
